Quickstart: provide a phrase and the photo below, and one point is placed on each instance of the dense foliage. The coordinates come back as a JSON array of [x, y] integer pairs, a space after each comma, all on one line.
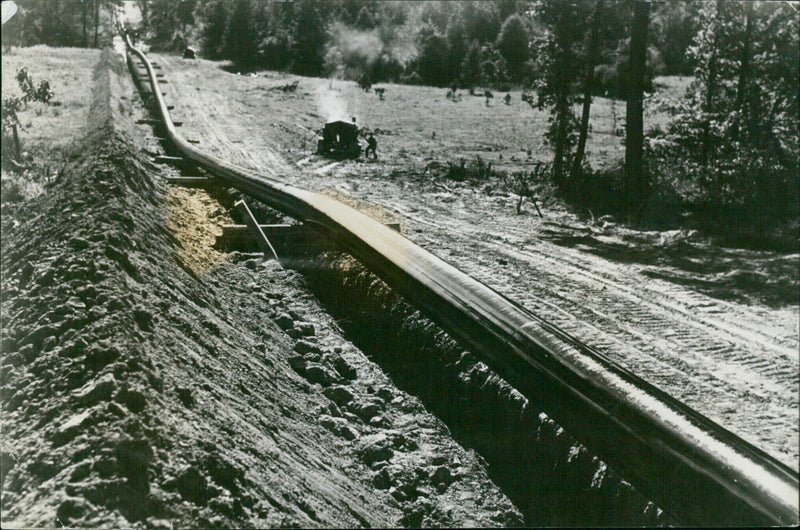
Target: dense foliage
[[734, 142], [59, 23]]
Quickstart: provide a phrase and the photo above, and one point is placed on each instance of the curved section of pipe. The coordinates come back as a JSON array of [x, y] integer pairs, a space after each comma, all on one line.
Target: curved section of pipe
[[689, 465]]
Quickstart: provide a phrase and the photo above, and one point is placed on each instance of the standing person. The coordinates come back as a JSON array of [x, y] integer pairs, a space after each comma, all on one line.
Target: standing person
[[372, 145]]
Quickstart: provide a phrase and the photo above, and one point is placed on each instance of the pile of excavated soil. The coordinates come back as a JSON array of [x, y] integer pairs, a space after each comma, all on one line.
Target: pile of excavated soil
[[150, 381]]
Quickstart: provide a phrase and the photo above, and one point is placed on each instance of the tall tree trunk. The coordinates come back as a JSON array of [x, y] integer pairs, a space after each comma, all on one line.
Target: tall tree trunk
[[744, 68], [562, 105], [562, 120], [96, 20], [594, 46], [711, 88], [635, 179], [83, 18], [17, 146], [562, 108]]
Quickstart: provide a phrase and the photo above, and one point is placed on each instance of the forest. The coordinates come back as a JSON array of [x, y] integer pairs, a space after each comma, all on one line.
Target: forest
[[730, 149]]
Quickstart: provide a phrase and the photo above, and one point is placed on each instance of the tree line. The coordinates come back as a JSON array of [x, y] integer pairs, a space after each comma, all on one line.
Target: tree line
[[488, 43], [732, 143], [76, 23], [731, 148]]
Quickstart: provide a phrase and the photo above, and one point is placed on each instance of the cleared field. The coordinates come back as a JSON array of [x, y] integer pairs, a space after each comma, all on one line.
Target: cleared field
[[733, 358], [69, 71]]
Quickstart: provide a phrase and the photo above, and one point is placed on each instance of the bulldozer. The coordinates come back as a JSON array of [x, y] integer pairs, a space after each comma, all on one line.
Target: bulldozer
[[339, 140]]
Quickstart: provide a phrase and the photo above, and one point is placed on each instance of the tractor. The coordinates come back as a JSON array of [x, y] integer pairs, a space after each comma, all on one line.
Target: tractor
[[339, 140]]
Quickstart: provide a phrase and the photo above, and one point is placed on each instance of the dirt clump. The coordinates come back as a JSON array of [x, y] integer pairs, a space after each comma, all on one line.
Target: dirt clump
[[550, 476], [144, 387]]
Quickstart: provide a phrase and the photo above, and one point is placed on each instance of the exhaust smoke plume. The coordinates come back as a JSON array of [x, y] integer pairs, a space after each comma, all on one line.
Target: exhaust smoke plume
[[332, 106], [352, 53], [357, 47]]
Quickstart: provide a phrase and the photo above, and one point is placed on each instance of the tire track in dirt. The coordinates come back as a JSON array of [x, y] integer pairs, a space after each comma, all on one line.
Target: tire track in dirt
[[215, 134], [694, 359]]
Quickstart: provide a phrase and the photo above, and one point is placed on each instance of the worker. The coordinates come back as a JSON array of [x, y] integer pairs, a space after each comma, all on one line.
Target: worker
[[372, 145]]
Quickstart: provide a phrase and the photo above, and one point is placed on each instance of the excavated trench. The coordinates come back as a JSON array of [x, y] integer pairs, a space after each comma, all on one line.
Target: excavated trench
[[551, 478]]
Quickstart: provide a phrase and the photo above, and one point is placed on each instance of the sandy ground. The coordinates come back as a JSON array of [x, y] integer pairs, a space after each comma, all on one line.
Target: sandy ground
[[714, 327]]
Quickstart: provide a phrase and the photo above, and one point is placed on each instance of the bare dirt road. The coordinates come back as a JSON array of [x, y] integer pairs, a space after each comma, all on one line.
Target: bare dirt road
[[716, 328]]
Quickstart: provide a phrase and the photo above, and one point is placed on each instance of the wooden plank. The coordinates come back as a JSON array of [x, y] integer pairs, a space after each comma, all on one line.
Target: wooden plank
[[148, 121], [283, 236], [191, 182], [280, 231], [255, 230], [161, 159]]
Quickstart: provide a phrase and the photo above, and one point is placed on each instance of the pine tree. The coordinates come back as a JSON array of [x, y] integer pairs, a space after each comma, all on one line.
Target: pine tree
[[736, 136], [309, 37], [558, 66], [471, 65], [214, 17], [635, 175], [241, 39], [513, 43]]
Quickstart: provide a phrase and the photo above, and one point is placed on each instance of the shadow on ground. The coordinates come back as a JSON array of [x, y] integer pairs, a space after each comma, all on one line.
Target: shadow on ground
[[732, 274]]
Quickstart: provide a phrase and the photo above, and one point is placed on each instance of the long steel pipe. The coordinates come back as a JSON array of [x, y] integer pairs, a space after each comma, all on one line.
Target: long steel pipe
[[692, 467]]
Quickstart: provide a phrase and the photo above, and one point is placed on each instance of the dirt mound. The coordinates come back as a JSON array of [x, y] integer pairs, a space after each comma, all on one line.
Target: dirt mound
[[550, 476], [140, 390]]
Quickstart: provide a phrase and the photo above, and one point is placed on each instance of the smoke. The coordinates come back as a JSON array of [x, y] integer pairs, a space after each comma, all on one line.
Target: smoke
[[355, 46], [331, 105], [352, 52]]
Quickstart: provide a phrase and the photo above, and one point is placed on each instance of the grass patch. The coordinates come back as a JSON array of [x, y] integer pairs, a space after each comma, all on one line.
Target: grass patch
[[49, 128]]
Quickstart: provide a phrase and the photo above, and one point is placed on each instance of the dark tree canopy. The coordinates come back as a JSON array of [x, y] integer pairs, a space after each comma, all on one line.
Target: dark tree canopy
[[241, 35], [309, 38], [434, 66], [513, 42], [213, 28]]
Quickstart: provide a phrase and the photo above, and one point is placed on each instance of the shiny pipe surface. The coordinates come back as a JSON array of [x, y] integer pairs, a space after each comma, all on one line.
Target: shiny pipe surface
[[689, 465]]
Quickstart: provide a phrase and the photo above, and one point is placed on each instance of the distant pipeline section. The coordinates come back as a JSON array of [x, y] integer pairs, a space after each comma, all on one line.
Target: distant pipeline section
[[691, 466]]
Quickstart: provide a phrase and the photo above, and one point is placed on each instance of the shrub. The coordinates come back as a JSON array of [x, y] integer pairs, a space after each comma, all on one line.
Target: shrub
[[411, 78], [479, 169], [13, 104]]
